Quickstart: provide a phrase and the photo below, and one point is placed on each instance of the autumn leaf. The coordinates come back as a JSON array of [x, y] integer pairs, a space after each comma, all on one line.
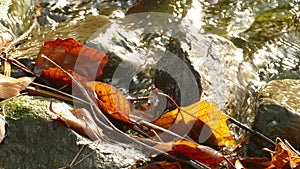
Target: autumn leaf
[[80, 120], [10, 87], [283, 156], [203, 154], [162, 165], [71, 55], [58, 76], [202, 121], [252, 162], [111, 101]]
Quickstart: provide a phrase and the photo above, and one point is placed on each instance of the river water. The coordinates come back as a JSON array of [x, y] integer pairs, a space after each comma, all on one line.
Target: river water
[[267, 31]]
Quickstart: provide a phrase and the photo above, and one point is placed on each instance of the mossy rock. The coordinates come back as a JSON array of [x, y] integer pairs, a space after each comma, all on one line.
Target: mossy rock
[[35, 141]]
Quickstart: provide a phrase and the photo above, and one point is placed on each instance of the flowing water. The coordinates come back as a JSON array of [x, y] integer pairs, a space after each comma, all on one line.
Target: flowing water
[[266, 31]]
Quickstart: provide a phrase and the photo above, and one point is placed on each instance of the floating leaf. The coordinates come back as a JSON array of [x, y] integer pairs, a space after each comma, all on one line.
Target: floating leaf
[[203, 154], [111, 101], [71, 55], [202, 121], [10, 87], [80, 120]]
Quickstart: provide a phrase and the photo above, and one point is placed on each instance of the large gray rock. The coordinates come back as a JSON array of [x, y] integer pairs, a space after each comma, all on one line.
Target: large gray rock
[[35, 141], [277, 113]]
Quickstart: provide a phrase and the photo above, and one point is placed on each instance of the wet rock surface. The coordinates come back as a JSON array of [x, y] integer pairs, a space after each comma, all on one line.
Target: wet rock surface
[[173, 56], [277, 113], [35, 141]]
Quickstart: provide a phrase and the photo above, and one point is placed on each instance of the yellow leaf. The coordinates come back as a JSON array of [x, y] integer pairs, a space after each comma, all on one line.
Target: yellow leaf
[[202, 121]]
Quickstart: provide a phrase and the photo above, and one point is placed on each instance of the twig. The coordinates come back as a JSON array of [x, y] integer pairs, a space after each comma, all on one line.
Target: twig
[[85, 157], [55, 93], [77, 155], [141, 121], [256, 133], [16, 63]]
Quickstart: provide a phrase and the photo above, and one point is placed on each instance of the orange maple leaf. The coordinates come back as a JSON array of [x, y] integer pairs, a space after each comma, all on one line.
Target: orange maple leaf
[[111, 101], [202, 121]]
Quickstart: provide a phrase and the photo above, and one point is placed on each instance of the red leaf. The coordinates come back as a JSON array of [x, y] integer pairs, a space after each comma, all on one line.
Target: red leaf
[[203, 154], [200, 153], [71, 55]]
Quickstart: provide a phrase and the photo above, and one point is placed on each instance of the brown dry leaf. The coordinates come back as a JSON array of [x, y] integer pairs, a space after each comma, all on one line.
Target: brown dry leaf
[[162, 165], [80, 120], [10, 87], [71, 55], [203, 154], [283, 156], [111, 101], [203, 122]]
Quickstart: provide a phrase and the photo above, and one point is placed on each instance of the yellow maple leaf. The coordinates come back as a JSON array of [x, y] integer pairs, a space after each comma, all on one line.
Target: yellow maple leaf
[[202, 121]]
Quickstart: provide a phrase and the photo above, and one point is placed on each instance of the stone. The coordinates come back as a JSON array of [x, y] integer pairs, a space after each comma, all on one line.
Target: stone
[[35, 141], [277, 114]]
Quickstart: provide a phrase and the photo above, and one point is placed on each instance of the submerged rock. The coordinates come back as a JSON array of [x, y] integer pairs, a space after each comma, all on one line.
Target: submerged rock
[[277, 113], [35, 141]]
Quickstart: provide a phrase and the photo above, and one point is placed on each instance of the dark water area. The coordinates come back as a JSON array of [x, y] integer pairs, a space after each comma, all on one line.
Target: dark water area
[[266, 32]]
